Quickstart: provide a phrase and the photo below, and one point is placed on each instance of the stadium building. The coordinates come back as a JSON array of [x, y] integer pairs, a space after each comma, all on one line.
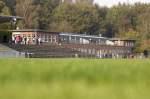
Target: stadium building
[[88, 45], [40, 43]]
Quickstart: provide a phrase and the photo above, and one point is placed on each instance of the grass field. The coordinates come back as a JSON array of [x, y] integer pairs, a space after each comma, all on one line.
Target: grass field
[[74, 79]]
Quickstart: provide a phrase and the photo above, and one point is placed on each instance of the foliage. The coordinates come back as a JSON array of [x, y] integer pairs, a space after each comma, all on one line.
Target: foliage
[[145, 45], [27, 9], [81, 17], [4, 10], [131, 34]]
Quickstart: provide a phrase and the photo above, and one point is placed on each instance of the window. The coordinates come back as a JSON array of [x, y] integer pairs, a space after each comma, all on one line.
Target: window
[[29, 35], [33, 35], [54, 39]]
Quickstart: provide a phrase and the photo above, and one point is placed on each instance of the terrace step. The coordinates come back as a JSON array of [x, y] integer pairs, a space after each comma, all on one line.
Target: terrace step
[[4, 48], [45, 51], [6, 52]]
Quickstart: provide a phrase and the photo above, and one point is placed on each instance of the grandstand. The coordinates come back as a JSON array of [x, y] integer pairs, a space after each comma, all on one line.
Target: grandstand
[[37, 43], [55, 44]]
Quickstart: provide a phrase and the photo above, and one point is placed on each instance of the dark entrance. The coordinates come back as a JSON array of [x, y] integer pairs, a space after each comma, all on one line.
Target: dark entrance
[[5, 39]]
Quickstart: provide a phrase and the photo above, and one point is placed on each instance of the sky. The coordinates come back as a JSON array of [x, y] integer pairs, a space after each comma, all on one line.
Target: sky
[[110, 3]]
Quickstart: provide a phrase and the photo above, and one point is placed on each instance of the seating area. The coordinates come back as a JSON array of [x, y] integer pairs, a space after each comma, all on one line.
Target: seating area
[[71, 51], [3, 48], [45, 51], [101, 51], [43, 44]]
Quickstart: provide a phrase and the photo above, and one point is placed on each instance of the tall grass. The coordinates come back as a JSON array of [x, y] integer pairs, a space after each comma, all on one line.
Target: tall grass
[[74, 79]]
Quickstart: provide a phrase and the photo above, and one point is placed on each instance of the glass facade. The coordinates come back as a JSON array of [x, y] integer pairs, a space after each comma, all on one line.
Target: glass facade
[[82, 39]]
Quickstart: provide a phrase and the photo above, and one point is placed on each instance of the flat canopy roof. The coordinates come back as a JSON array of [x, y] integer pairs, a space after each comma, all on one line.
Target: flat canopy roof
[[29, 30], [33, 30], [83, 36], [4, 18], [121, 39]]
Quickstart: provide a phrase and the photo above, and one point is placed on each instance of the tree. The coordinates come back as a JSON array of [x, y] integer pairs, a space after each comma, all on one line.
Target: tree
[[131, 34], [2, 4], [85, 1], [29, 11], [144, 24], [45, 15], [121, 18], [81, 17], [4, 10], [11, 5]]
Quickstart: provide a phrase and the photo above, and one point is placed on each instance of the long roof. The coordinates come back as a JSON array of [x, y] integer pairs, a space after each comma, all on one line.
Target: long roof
[[33, 30], [29, 30], [121, 39], [83, 35], [5, 18]]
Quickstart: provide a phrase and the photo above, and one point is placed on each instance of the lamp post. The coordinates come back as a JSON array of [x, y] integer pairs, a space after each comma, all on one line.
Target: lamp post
[[14, 22]]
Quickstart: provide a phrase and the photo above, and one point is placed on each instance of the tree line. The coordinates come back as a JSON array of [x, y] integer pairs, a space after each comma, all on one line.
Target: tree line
[[121, 21]]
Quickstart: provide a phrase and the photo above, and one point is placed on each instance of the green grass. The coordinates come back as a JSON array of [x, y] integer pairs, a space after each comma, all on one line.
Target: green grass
[[74, 79]]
